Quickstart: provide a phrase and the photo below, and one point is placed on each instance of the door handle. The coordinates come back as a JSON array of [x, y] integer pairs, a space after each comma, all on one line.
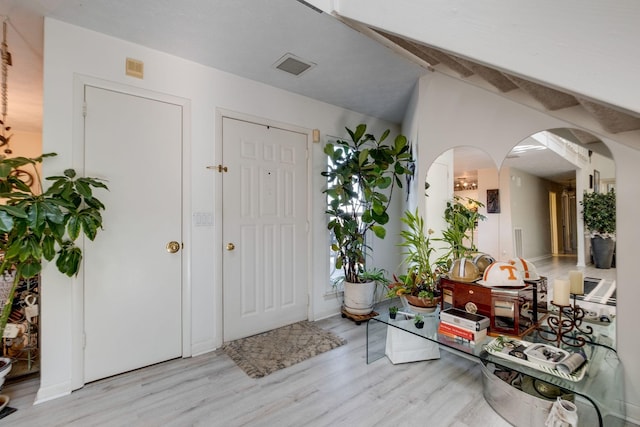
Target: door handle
[[230, 246], [173, 247]]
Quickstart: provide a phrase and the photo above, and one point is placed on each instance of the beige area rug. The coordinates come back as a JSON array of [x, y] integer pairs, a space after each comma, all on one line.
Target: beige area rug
[[262, 354]]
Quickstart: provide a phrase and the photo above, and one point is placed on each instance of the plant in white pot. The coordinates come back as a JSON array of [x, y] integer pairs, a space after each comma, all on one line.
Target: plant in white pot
[[362, 175], [599, 214]]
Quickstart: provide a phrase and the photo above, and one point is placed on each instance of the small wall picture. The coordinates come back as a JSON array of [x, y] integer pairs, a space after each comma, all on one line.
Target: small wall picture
[[493, 201]]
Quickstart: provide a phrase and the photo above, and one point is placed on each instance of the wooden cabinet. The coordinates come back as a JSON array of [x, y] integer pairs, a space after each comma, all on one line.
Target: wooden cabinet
[[471, 297], [512, 311]]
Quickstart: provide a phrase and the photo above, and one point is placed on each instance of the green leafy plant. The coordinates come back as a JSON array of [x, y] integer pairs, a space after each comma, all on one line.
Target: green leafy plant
[[362, 175], [422, 274], [37, 224], [418, 318], [599, 213], [461, 215], [377, 275], [393, 310], [425, 294]]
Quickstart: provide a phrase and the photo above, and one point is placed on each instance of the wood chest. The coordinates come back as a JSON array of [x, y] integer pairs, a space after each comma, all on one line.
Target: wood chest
[[512, 311]]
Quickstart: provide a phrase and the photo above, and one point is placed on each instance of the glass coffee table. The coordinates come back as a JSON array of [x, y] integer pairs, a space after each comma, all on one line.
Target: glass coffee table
[[601, 384]]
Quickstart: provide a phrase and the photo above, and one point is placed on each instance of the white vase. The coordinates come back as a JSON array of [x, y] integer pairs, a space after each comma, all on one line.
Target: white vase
[[358, 297]]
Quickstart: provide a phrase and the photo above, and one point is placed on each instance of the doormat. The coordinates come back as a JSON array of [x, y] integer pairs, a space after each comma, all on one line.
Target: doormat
[[262, 354]]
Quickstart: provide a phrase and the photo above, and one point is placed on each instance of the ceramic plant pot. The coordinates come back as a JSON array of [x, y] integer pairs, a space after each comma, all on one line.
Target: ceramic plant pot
[[358, 297], [602, 251], [423, 302], [422, 305]]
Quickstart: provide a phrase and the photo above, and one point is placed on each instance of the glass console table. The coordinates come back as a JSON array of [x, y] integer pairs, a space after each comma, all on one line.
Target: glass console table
[[602, 384]]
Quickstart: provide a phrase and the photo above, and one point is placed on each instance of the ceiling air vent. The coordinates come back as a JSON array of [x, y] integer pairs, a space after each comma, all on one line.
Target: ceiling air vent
[[293, 65]]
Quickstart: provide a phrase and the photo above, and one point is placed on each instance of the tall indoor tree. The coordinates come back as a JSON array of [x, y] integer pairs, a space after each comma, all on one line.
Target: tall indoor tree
[[362, 175]]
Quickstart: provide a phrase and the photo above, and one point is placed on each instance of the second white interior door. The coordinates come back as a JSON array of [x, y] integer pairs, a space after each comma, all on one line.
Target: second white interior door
[[265, 233]]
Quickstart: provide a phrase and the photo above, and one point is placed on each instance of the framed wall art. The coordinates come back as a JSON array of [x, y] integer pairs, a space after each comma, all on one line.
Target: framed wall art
[[493, 201]]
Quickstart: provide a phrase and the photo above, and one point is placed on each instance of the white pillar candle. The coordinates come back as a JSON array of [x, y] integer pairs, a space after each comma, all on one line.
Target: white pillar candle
[[576, 279], [561, 289]]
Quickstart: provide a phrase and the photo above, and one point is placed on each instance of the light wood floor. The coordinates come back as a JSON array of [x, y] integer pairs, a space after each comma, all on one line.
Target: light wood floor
[[336, 388]]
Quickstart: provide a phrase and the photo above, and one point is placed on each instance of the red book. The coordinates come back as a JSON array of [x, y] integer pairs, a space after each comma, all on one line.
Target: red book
[[456, 330], [450, 329]]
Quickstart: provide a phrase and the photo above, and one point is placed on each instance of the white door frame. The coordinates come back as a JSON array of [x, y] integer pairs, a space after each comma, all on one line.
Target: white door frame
[[77, 305], [218, 200]]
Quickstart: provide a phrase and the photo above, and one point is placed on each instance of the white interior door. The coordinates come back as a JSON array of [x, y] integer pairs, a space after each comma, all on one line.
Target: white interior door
[[265, 228], [132, 284]]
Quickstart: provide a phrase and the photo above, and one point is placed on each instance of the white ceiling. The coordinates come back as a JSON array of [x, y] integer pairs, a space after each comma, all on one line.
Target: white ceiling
[[243, 37]]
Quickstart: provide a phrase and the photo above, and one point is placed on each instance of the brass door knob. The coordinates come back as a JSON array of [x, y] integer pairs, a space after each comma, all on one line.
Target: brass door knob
[[173, 247], [230, 246]]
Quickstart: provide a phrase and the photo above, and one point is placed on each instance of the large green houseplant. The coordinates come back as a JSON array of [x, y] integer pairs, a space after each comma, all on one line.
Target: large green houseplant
[[39, 225], [599, 214], [362, 175]]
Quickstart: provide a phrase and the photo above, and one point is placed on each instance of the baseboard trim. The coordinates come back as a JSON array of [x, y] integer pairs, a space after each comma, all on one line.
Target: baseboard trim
[[632, 413], [46, 394], [202, 347]]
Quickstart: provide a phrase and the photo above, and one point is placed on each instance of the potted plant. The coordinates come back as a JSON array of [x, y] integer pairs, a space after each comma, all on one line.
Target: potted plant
[[38, 224], [599, 214], [419, 286], [362, 175], [393, 312], [461, 215], [418, 320]]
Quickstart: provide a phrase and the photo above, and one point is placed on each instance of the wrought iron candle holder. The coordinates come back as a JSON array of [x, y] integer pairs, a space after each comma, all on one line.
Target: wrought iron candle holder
[[566, 327]]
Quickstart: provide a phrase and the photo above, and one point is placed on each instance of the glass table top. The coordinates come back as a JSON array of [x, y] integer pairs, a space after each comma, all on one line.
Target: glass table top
[[602, 383]]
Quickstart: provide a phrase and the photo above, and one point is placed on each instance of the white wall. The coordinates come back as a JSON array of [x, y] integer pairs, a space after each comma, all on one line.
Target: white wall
[[606, 167], [529, 210], [70, 52], [452, 111], [489, 228], [628, 292], [440, 179]]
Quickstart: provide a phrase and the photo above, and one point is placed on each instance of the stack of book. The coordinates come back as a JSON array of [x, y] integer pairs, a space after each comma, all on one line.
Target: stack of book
[[463, 326]]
